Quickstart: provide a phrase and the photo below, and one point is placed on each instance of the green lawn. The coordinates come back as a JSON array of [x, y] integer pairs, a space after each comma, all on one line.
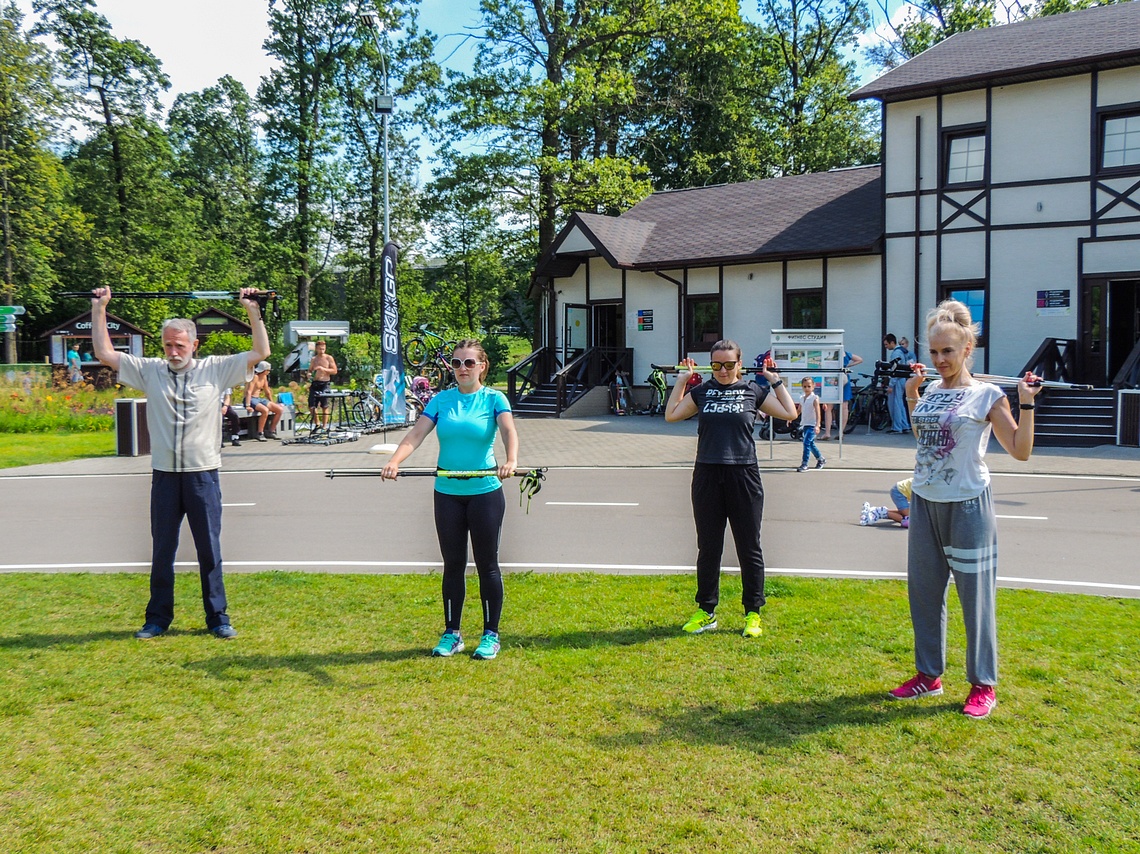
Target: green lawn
[[327, 727], [27, 449]]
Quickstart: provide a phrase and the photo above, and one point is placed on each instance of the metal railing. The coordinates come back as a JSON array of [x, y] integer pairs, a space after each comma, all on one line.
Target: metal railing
[[529, 374], [1129, 374], [1054, 360]]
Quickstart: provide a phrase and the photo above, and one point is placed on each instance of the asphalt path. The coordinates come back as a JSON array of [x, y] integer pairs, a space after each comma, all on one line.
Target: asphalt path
[[1056, 532]]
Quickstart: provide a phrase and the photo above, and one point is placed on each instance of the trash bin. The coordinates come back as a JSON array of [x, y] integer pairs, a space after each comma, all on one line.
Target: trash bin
[[132, 437]]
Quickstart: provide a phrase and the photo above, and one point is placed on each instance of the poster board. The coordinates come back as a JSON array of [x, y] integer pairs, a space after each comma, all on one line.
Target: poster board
[[815, 353]]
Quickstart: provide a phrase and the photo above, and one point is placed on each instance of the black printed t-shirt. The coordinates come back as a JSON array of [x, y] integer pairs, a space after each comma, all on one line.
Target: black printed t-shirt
[[726, 415]]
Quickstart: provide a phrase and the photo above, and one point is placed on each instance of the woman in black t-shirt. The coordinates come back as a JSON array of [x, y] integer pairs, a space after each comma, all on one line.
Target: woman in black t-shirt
[[726, 477]]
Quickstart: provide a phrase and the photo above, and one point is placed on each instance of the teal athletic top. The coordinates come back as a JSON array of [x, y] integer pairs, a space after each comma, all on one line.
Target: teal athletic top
[[467, 426]]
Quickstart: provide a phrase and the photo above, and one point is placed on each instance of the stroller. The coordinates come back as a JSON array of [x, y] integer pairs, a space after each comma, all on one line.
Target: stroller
[[765, 423]]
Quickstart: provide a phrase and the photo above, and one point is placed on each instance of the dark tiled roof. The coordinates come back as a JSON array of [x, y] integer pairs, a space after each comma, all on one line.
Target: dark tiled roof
[[824, 213], [1053, 46]]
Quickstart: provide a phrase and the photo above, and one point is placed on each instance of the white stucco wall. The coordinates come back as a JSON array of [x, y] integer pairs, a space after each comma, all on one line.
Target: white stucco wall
[[964, 108], [1022, 263], [703, 280], [1058, 202], [854, 303], [898, 165], [752, 306], [605, 281], [647, 291], [1041, 130], [1118, 86], [805, 274], [963, 256], [1113, 256]]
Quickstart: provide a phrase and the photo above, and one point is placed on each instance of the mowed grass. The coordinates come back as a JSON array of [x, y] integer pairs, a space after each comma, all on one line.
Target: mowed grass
[[327, 727], [29, 449]]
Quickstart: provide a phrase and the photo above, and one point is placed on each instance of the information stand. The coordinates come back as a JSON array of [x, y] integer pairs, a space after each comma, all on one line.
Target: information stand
[[815, 353]]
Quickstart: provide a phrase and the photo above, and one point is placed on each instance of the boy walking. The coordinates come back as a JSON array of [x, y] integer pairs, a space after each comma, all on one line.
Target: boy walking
[[809, 423]]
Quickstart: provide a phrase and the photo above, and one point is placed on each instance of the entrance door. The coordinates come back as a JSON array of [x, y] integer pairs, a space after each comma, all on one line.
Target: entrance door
[[575, 334], [609, 325], [1123, 322], [1110, 327], [1094, 310]]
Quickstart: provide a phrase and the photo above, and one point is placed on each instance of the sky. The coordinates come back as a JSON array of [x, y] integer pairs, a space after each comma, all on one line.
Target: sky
[[198, 41]]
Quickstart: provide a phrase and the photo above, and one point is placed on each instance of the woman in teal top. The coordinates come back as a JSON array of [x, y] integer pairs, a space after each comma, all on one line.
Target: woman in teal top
[[467, 418]]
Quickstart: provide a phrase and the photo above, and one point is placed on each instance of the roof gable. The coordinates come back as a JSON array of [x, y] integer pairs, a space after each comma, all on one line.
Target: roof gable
[[823, 213], [1052, 46]]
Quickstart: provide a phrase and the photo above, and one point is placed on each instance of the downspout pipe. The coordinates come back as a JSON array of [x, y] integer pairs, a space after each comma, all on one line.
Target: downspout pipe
[[680, 310]]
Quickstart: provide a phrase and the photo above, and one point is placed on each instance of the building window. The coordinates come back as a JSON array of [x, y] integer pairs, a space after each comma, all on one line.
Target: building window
[[803, 309], [1121, 141], [974, 298], [966, 159], [702, 322]]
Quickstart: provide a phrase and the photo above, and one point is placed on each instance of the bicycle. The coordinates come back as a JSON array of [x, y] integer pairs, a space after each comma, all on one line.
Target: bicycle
[[429, 355], [658, 392], [869, 404]]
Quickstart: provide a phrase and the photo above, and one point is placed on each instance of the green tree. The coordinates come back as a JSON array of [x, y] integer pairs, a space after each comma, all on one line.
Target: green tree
[[220, 165], [311, 40], [117, 80], [407, 65], [33, 213], [927, 22], [538, 88], [697, 117], [807, 115]]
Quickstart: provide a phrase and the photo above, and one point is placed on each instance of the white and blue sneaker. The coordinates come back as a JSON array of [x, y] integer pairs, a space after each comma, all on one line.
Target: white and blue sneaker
[[488, 647], [448, 645]]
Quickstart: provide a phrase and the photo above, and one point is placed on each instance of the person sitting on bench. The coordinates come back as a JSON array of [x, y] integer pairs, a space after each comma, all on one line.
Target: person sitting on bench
[[232, 419], [263, 403]]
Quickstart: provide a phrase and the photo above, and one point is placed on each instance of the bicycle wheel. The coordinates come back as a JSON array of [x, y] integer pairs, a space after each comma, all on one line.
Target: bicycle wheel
[[880, 415], [363, 414], [417, 352], [435, 375]]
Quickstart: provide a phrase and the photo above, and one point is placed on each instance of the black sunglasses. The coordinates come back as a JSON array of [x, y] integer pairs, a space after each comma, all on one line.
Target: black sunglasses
[[456, 364], [716, 366]]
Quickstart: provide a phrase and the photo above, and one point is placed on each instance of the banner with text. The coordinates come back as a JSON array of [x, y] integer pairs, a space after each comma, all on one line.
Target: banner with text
[[392, 369]]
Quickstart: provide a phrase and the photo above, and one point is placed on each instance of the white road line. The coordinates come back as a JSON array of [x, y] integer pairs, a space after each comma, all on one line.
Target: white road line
[[647, 568], [594, 503], [1035, 518], [249, 504]]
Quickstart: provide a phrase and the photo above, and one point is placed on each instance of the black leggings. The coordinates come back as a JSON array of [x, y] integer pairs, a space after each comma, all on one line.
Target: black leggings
[[481, 517], [732, 494]]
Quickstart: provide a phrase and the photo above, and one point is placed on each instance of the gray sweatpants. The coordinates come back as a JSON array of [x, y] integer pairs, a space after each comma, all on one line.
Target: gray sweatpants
[[961, 538]]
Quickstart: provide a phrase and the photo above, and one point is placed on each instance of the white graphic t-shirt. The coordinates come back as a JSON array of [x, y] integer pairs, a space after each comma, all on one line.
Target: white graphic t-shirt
[[953, 434]]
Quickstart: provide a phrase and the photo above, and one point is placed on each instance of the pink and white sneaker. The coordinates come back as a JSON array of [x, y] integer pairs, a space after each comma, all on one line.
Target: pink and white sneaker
[[919, 685], [981, 701]]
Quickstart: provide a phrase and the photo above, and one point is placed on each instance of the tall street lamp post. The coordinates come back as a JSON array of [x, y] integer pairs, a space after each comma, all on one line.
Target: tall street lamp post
[[383, 103]]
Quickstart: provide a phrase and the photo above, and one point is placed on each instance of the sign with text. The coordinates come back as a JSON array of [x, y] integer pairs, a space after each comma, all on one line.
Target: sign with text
[[815, 353], [1051, 303]]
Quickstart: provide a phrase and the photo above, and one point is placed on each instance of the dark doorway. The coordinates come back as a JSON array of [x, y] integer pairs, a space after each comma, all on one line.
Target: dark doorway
[[1110, 327], [609, 325]]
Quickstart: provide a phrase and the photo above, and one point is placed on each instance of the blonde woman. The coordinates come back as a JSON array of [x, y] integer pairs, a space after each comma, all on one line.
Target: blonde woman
[[953, 530], [726, 484]]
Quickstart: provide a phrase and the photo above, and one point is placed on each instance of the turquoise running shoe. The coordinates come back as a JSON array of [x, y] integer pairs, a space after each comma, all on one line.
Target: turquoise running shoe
[[488, 647], [448, 645]]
